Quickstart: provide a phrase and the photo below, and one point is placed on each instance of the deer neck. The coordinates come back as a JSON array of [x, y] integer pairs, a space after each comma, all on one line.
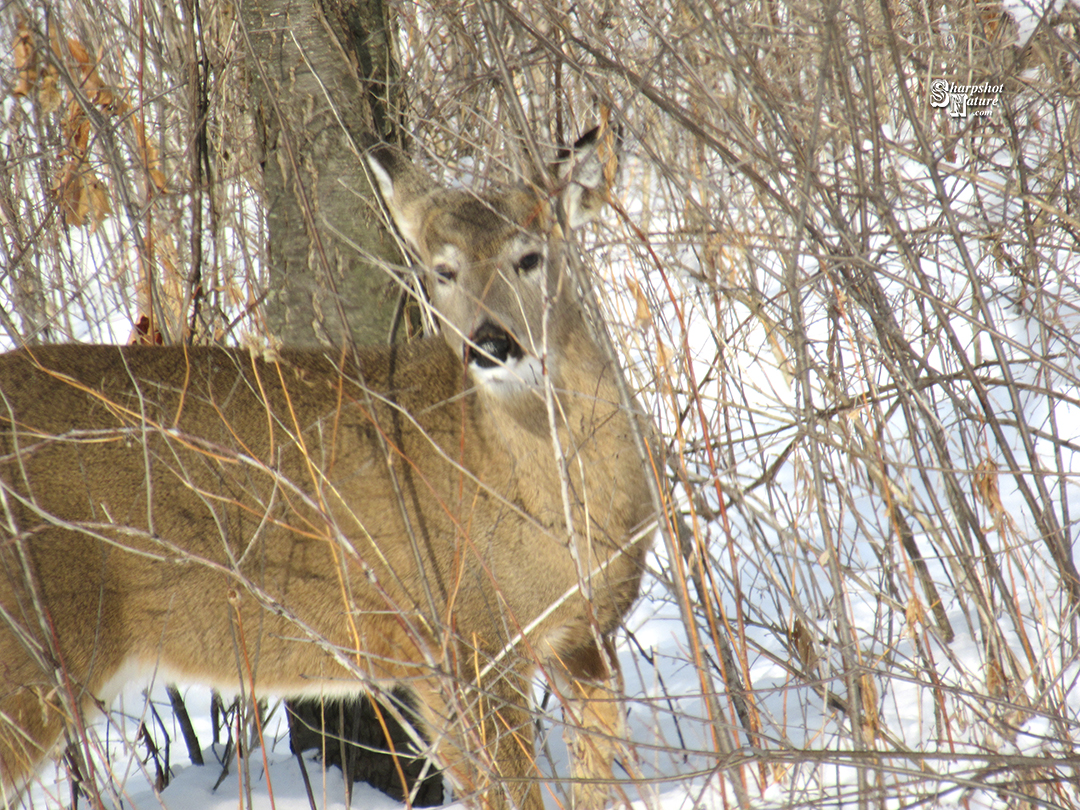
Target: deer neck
[[603, 478]]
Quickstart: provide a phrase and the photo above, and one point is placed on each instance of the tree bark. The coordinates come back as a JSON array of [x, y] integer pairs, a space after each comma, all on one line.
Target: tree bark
[[321, 79]]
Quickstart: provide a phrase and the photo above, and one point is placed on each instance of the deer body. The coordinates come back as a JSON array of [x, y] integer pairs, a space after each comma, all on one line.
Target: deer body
[[396, 514]]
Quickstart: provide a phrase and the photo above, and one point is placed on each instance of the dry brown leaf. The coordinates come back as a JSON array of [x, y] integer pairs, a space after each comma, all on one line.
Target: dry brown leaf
[[98, 200], [643, 314], [996, 681], [140, 136], [87, 66], [803, 640], [145, 333], [70, 195], [76, 129], [663, 359], [986, 486], [79, 53], [150, 156], [49, 95], [25, 59], [915, 614], [110, 100], [158, 179]]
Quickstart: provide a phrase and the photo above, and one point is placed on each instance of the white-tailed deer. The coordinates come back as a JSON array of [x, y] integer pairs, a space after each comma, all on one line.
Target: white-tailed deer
[[302, 521]]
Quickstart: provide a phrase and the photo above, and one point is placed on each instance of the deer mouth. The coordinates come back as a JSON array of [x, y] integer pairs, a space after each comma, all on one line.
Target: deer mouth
[[491, 345]]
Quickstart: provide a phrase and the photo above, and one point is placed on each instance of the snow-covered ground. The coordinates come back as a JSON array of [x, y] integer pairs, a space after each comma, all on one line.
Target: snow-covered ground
[[676, 765]]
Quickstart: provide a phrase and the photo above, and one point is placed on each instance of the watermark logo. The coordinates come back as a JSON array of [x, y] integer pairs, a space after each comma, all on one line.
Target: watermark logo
[[963, 100]]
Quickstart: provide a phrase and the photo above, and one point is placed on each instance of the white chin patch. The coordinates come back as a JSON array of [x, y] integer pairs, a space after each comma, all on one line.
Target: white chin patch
[[509, 377]]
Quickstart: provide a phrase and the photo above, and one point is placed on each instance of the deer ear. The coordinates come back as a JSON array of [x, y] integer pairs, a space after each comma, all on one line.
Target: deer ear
[[586, 173], [404, 189]]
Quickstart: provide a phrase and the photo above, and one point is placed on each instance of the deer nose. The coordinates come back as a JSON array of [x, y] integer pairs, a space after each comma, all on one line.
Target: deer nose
[[491, 345]]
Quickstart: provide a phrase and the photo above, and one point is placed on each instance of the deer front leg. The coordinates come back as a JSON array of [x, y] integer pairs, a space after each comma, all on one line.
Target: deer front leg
[[484, 739], [596, 727]]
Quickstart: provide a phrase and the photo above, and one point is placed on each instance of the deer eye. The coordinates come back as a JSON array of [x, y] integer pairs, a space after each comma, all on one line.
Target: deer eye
[[444, 273], [528, 262]]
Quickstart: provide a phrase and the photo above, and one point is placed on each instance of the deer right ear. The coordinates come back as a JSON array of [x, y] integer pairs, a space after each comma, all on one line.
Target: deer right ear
[[587, 173], [403, 189]]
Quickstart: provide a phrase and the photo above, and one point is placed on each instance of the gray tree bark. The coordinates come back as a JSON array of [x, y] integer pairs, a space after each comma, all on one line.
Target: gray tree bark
[[322, 76]]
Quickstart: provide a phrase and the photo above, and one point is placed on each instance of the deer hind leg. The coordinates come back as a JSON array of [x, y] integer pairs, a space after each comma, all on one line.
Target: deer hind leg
[[39, 696], [30, 724], [484, 740], [33, 714], [596, 727]]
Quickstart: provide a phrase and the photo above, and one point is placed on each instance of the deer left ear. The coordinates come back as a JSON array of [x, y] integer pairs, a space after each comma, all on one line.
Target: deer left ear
[[586, 173], [404, 189]]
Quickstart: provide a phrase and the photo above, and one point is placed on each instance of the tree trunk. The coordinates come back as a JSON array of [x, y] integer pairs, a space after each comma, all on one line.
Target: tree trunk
[[323, 78]]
